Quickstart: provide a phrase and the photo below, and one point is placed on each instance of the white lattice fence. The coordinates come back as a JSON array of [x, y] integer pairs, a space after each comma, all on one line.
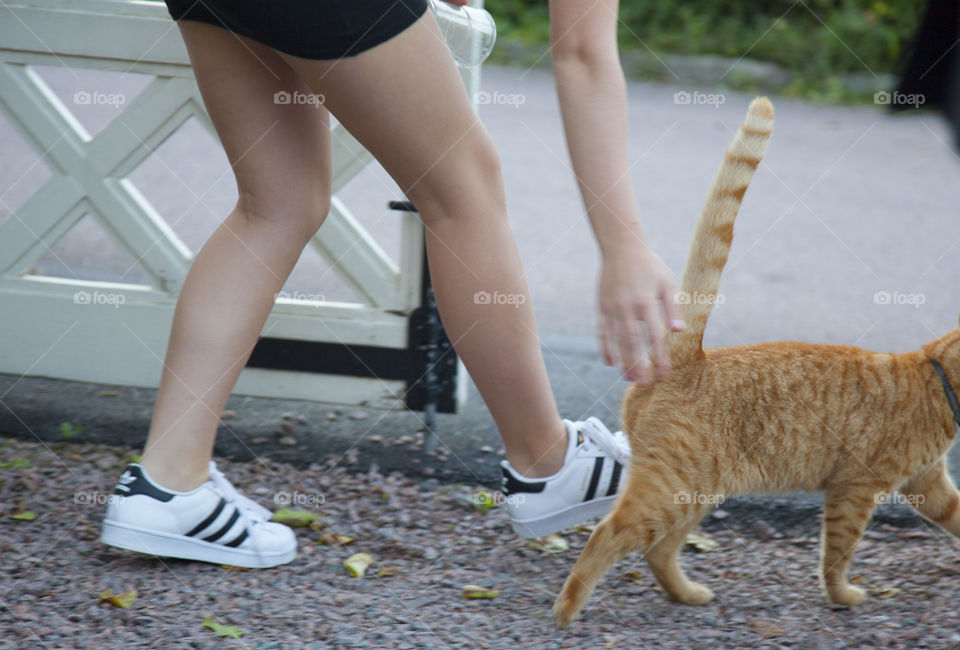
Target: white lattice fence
[[69, 328]]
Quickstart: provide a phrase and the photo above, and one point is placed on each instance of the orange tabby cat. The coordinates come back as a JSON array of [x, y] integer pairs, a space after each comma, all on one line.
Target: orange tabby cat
[[769, 418]]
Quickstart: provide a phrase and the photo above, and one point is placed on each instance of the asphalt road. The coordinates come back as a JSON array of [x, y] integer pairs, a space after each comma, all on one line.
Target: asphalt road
[[849, 203]]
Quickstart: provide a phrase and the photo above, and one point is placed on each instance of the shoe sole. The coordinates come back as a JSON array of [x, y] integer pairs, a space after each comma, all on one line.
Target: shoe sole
[[557, 521], [151, 542]]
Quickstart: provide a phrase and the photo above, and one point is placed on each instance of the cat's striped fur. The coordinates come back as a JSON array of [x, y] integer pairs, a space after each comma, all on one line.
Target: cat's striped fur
[[769, 418]]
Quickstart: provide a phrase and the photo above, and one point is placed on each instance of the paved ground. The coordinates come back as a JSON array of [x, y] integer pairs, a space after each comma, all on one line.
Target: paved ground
[[428, 542], [849, 202]]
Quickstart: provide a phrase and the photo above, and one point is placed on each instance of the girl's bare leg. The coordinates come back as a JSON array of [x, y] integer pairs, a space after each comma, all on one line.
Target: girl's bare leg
[[280, 154], [405, 102]]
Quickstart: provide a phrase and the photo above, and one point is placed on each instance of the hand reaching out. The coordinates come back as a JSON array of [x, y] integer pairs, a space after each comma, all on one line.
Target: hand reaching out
[[635, 286]]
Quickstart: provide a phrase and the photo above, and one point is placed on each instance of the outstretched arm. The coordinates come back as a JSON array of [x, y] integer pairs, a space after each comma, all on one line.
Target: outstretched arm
[[634, 284]]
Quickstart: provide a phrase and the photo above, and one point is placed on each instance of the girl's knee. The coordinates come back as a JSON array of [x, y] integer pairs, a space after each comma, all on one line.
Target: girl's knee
[[465, 183], [303, 212]]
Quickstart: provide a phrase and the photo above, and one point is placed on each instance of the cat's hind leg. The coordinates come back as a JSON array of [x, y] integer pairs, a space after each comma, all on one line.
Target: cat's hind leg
[[646, 517], [662, 557], [936, 497], [610, 541], [846, 511]]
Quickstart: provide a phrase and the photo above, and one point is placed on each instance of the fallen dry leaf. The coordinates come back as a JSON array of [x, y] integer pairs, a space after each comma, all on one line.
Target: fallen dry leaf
[[231, 631], [333, 539], [549, 544], [700, 543], [123, 600], [294, 518], [388, 571], [26, 515], [357, 564], [635, 576], [888, 592], [477, 592]]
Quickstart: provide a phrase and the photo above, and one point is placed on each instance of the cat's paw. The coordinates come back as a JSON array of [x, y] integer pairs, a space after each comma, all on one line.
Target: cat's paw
[[564, 610], [693, 594], [847, 595]]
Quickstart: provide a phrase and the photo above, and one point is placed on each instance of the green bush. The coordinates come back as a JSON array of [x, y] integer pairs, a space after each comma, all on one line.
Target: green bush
[[816, 40]]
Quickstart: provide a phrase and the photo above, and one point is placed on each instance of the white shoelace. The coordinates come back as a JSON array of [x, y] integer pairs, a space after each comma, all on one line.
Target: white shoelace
[[247, 506], [597, 436]]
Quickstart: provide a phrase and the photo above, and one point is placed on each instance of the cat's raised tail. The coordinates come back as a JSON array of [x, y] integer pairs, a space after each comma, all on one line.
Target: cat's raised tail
[[714, 232]]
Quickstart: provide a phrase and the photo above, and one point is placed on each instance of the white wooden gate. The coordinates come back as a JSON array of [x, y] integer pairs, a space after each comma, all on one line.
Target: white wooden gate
[[73, 329]]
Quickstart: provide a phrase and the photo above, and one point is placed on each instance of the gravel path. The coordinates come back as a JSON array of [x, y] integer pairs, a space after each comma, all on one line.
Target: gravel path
[[429, 541]]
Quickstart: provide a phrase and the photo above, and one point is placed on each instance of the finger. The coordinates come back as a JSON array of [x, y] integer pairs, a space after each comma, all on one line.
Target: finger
[[628, 339], [603, 338], [604, 341], [658, 339], [670, 310], [458, 3]]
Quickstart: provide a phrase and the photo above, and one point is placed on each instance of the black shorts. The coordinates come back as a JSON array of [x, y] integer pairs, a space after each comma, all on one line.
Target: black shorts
[[310, 29]]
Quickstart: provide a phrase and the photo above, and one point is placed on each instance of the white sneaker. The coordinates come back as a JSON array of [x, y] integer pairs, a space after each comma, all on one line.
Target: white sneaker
[[585, 487], [212, 523]]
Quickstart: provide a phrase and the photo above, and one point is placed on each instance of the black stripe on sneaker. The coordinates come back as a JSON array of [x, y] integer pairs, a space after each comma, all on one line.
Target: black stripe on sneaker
[[238, 540], [614, 479], [209, 520], [595, 479], [227, 526]]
